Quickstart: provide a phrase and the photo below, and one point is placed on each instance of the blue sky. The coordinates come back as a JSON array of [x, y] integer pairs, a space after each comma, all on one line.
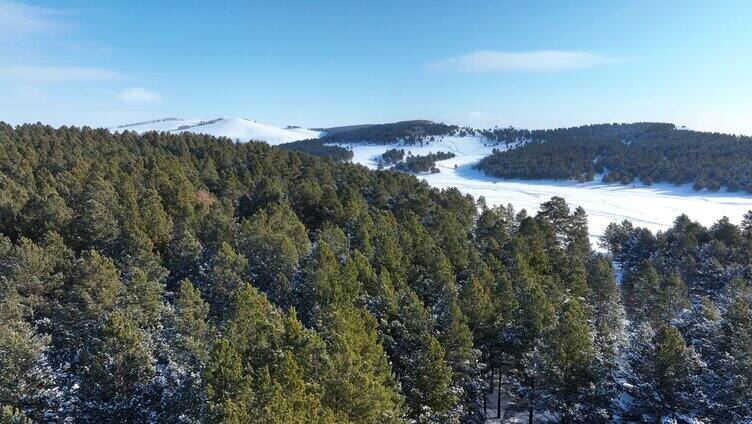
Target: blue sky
[[482, 63]]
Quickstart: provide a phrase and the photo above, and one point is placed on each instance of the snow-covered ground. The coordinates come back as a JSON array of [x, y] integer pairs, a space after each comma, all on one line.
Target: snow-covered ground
[[653, 207], [234, 128]]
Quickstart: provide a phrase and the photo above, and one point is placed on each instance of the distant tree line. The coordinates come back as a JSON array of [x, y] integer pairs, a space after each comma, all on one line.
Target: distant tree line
[[319, 147], [392, 156], [408, 132], [422, 163], [652, 152], [343, 128]]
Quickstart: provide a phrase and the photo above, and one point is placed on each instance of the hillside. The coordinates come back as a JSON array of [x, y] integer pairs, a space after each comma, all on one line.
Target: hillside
[[649, 152], [233, 128], [330, 142], [341, 129], [409, 132]]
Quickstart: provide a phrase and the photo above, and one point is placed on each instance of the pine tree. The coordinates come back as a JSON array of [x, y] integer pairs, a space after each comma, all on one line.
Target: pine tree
[[356, 274], [737, 362], [320, 285], [570, 364], [358, 225], [380, 297], [609, 332], [156, 222], [274, 241], [674, 364], [505, 300], [266, 193], [607, 309], [674, 295], [306, 346], [419, 361], [476, 303], [184, 255], [577, 235], [14, 197], [575, 278], [24, 372], [387, 253], [535, 317], [117, 372], [137, 251], [703, 333], [253, 327], [433, 383], [359, 385], [335, 238], [285, 398], [643, 296], [227, 274], [32, 272], [228, 389], [457, 340], [188, 331], [191, 323], [96, 216], [141, 300], [556, 211], [662, 368], [46, 211], [91, 295]]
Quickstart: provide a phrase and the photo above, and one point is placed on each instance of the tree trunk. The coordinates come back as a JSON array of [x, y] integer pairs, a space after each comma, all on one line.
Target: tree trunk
[[498, 399], [530, 404], [485, 402], [493, 378]]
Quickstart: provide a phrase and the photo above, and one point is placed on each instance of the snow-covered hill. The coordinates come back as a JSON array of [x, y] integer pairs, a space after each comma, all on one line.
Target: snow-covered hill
[[234, 128], [653, 207]]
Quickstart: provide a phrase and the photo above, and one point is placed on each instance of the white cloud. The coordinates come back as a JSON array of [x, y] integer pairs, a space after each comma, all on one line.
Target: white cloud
[[18, 19], [58, 73], [532, 61], [139, 95]]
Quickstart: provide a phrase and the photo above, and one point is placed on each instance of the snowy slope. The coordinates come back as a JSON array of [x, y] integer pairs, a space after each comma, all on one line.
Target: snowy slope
[[653, 207], [235, 128]]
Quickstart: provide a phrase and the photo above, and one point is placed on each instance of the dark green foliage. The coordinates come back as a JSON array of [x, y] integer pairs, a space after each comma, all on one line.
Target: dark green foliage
[[392, 156], [23, 374], [10, 415], [410, 132], [652, 152], [117, 368], [407, 131], [425, 163], [318, 147], [184, 278]]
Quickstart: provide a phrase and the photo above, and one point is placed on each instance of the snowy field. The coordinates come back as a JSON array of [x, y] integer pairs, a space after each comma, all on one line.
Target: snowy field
[[234, 128], [653, 207]]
